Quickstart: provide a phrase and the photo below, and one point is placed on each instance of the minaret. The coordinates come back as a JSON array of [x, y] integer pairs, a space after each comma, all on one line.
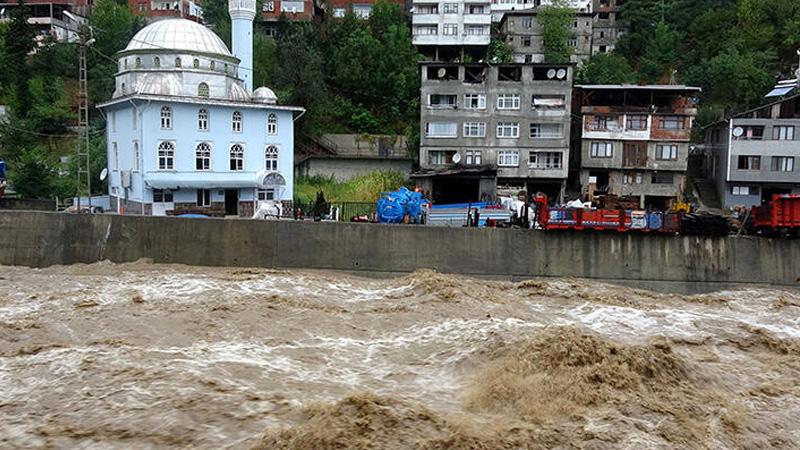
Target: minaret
[[242, 14]]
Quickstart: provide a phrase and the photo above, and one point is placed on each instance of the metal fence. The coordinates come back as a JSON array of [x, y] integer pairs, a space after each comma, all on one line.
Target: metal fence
[[347, 210]]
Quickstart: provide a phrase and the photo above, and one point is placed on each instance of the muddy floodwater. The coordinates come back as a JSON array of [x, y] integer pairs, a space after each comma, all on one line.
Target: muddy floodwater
[[148, 356]]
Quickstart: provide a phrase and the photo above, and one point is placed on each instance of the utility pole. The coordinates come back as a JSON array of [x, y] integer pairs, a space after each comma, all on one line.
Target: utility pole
[[83, 152]]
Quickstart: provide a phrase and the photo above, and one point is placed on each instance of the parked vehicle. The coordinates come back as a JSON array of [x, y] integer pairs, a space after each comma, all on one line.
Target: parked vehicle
[[781, 216]]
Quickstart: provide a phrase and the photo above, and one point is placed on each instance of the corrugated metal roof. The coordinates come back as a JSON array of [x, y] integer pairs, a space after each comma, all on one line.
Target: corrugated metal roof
[[641, 87]]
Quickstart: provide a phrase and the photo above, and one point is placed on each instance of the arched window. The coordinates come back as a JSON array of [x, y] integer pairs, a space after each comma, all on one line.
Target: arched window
[[196, 63], [156, 62], [272, 124], [178, 62], [135, 167], [271, 158], [123, 89], [237, 157], [138, 62], [125, 63], [202, 156], [166, 155], [202, 90], [237, 122], [166, 117], [202, 120], [212, 65], [226, 68]]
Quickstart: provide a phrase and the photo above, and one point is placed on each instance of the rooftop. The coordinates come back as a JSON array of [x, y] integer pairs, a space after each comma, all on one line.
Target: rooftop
[[639, 87]]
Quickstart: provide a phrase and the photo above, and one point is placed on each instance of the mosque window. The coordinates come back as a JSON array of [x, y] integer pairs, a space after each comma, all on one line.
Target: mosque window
[[237, 122], [166, 155], [135, 166], [237, 157], [125, 63], [212, 65], [272, 124], [178, 62], [202, 156], [202, 120], [202, 90], [196, 63], [156, 62], [166, 117], [138, 63], [123, 89], [271, 158], [226, 68]]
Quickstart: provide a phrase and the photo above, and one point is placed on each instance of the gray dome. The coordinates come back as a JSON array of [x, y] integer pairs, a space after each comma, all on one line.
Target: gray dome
[[265, 95], [178, 34], [159, 84]]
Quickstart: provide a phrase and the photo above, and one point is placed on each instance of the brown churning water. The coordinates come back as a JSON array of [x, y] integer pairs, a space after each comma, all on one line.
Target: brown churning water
[[150, 356]]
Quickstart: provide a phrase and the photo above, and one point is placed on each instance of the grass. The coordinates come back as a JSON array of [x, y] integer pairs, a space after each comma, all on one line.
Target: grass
[[363, 188]]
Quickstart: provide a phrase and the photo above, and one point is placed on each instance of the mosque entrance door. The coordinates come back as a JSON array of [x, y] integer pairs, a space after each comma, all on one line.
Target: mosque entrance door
[[231, 202]]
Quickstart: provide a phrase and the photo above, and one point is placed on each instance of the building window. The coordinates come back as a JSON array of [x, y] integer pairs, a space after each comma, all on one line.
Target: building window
[[202, 156], [474, 101], [162, 196], [236, 122], [442, 101], [272, 124], [178, 62], [338, 12], [475, 129], [662, 178], [203, 90], [749, 162], [426, 30], [667, 152], [636, 122], [672, 122], [783, 164], [602, 149], [527, 22], [237, 157], [166, 155], [526, 41], [271, 158], [225, 68], [508, 158], [507, 129], [166, 117], [123, 89], [605, 123], [113, 121], [475, 9], [212, 65], [632, 178], [508, 101], [545, 131], [115, 156], [441, 130], [265, 194], [125, 63], [450, 29], [134, 118], [744, 190], [476, 30], [634, 154], [136, 156], [196, 63], [783, 133], [202, 120], [138, 62], [268, 6], [548, 102], [440, 157], [451, 8], [203, 197], [545, 160], [748, 133], [156, 62], [473, 158]]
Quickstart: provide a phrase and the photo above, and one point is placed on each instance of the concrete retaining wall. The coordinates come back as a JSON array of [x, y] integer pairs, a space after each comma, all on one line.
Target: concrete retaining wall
[[42, 239], [28, 204]]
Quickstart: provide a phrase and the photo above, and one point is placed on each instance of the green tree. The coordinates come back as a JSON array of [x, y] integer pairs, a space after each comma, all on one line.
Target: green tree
[[661, 56], [500, 51], [606, 68], [34, 173], [114, 25], [556, 21], [19, 44]]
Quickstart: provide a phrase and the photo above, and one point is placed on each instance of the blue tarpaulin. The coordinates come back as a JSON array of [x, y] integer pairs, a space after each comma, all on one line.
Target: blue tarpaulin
[[394, 206], [2, 169]]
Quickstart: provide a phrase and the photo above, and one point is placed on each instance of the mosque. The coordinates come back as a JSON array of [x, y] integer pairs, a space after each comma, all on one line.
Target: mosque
[[187, 133]]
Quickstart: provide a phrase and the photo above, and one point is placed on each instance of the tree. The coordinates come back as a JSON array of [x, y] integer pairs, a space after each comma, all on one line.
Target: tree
[[19, 44], [500, 51], [114, 25], [661, 55], [33, 173], [606, 68], [556, 21]]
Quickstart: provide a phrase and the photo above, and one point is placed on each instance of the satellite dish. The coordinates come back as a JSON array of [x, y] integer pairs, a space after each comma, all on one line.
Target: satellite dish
[[103, 174], [561, 74], [457, 158], [738, 131], [441, 73], [551, 73]]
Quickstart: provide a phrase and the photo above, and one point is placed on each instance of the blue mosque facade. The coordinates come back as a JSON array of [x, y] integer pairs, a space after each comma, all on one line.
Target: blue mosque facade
[[187, 133]]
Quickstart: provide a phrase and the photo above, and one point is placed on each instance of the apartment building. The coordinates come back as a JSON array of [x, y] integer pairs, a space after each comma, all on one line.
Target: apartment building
[[522, 31], [753, 155], [607, 26], [488, 128], [48, 18], [167, 9], [635, 141], [451, 30], [501, 7]]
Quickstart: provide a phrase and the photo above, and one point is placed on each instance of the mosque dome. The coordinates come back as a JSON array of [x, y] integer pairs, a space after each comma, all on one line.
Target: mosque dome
[[264, 95], [178, 34]]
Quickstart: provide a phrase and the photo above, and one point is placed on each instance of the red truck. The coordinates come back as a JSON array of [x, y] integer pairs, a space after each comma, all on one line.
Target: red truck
[[779, 216]]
